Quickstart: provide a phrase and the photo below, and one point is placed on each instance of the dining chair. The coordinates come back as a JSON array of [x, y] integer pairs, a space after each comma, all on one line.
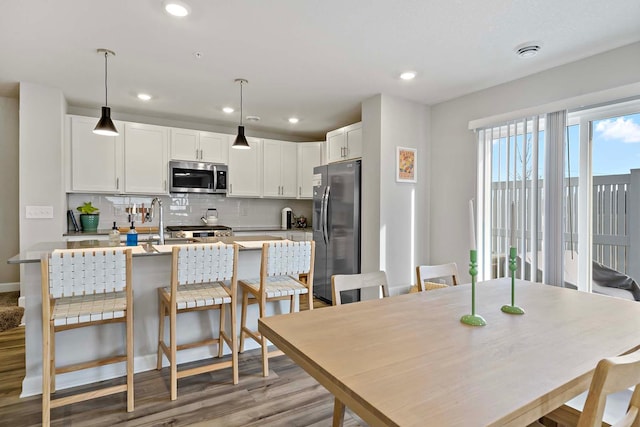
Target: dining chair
[[612, 375], [82, 288], [426, 275], [203, 278], [283, 265], [348, 282]]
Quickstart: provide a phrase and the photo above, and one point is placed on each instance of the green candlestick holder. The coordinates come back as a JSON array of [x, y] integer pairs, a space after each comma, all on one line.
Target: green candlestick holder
[[513, 308], [473, 319]]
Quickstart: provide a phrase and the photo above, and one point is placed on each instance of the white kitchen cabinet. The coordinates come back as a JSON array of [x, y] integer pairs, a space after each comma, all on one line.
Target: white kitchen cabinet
[[145, 158], [96, 160], [195, 145], [214, 147], [245, 170], [309, 156], [279, 169], [344, 143]]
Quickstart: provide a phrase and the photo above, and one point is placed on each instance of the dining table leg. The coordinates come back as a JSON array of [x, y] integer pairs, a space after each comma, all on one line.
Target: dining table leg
[[338, 413]]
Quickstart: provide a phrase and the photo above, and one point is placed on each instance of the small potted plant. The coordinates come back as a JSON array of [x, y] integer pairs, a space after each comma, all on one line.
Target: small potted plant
[[89, 217]]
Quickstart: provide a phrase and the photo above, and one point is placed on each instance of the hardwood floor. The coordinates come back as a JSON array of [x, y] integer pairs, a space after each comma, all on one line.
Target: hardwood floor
[[288, 397], [12, 369]]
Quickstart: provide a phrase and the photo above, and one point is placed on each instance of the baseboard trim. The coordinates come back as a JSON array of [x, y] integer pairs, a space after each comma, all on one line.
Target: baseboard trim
[[9, 287]]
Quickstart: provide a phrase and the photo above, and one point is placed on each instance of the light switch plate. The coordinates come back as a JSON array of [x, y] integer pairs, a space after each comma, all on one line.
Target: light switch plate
[[39, 212]]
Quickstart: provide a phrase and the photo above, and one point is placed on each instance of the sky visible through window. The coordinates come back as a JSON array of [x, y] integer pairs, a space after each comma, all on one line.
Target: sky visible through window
[[616, 145]]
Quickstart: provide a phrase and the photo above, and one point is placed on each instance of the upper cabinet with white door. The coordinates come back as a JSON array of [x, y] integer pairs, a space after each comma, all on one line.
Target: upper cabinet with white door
[[195, 145], [245, 170], [96, 160], [145, 158], [344, 143], [279, 169], [309, 156]]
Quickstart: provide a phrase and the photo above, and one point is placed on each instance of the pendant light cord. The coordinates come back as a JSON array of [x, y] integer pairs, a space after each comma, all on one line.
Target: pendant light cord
[[106, 103], [241, 83]]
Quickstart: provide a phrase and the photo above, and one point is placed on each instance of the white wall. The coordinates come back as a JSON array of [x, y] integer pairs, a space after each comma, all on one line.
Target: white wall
[[395, 215], [453, 160], [9, 190], [42, 111]]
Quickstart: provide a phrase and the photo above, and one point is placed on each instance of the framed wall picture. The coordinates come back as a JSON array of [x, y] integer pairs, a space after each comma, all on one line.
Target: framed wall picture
[[406, 164]]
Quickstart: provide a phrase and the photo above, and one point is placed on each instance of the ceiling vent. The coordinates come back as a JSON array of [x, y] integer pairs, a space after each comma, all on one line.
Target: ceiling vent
[[528, 50]]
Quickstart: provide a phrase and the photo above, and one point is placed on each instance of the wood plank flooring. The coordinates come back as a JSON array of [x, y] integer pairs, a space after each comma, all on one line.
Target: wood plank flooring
[[288, 397]]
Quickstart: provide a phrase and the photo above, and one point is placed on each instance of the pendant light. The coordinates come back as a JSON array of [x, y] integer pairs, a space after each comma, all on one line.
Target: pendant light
[[105, 126], [241, 140]]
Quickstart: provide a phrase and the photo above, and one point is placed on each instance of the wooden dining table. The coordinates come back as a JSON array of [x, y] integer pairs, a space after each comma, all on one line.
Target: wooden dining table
[[408, 361]]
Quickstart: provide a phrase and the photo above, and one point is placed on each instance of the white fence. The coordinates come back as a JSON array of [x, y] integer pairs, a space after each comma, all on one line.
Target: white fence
[[615, 227]]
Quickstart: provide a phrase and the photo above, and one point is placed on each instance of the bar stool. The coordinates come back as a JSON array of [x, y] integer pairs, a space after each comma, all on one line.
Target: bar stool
[[83, 288], [281, 267], [203, 277]]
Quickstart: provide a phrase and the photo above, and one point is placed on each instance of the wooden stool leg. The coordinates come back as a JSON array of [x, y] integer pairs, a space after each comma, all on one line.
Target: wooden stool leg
[[263, 343], [222, 329], [338, 413], [243, 319], [161, 319], [292, 303], [46, 374], [129, 326], [174, 350], [52, 357], [234, 343]]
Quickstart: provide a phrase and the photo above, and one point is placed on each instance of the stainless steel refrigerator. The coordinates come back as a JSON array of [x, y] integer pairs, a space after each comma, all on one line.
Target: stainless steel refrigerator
[[336, 226]]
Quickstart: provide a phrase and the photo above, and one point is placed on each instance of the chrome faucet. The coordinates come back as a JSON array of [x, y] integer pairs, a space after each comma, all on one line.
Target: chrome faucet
[[158, 202]]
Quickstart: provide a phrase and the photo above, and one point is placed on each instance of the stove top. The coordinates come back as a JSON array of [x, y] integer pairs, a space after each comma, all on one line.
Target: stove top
[[189, 231], [197, 227]]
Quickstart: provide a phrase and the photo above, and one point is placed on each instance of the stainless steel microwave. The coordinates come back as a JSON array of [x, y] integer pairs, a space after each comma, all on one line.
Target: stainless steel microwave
[[197, 177]]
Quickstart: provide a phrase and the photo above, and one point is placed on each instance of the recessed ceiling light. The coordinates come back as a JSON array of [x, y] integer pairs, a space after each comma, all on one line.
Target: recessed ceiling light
[[228, 110], [144, 97], [293, 120], [408, 75], [528, 50], [176, 8], [253, 118]]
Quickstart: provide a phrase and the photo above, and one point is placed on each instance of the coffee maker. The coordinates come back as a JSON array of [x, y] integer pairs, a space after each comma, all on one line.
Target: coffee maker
[[286, 219]]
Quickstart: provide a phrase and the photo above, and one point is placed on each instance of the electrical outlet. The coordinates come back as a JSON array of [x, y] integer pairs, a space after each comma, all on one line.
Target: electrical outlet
[[39, 212]]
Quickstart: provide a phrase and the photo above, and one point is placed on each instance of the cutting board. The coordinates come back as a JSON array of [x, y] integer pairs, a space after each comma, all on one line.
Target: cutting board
[[140, 230]]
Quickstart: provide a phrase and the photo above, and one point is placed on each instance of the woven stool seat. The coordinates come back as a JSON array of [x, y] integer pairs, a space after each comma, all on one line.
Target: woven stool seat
[[278, 286], [200, 295], [89, 308]]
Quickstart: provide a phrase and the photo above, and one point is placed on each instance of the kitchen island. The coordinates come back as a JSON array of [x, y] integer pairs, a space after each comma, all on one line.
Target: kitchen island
[[151, 270]]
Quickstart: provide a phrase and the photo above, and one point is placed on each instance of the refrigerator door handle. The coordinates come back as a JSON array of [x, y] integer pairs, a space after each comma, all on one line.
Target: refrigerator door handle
[[322, 216], [326, 214]]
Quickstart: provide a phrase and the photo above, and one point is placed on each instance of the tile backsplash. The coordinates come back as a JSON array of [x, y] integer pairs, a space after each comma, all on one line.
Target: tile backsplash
[[188, 208]]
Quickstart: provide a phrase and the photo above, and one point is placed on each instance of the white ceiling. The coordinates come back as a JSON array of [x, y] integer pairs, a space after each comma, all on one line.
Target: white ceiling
[[317, 60]]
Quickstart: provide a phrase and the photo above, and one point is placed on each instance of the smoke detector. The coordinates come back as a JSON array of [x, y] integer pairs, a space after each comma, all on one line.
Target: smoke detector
[[528, 50], [253, 118]]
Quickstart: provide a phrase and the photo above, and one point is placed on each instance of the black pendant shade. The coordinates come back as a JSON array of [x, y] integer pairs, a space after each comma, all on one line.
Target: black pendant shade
[[241, 141], [105, 126]]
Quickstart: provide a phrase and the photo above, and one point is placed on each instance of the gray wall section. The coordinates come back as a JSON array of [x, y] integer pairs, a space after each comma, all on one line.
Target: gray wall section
[[9, 189], [395, 215], [454, 157]]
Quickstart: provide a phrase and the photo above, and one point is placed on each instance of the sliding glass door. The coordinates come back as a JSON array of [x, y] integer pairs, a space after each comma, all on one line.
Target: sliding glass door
[[602, 188]]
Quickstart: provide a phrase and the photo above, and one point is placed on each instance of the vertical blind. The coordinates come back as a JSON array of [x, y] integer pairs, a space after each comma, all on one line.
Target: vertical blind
[[519, 197]]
